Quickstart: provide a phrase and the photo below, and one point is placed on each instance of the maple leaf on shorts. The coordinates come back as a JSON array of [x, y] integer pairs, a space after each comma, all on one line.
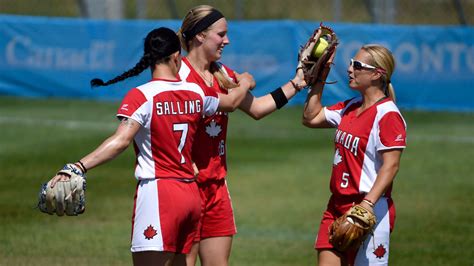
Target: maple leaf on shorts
[[380, 251], [149, 232]]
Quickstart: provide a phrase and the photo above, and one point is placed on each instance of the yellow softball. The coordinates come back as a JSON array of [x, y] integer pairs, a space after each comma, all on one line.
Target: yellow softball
[[319, 48]]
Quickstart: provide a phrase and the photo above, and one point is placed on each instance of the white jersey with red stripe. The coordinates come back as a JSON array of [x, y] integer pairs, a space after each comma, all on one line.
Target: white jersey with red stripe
[[359, 140], [209, 150], [169, 113]]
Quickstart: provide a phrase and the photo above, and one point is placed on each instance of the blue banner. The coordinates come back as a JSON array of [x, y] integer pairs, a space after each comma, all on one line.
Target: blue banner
[[57, 57]]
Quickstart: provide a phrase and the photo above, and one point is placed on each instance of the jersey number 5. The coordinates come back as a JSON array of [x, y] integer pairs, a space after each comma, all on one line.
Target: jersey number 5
[[183, 127], [345, 180]]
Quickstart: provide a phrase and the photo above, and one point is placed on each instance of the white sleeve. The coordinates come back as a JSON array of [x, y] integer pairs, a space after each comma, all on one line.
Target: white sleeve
[[135, 106], [210, 105], [333, 116], [141, 115]]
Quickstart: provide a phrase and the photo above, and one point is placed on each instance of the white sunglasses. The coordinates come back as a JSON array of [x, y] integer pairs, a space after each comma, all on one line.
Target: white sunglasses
[[358, 65]]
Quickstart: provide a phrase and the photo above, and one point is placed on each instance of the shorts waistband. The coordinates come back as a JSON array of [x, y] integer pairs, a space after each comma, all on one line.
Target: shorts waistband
[[180, 179], [346, 199], [211, 181]]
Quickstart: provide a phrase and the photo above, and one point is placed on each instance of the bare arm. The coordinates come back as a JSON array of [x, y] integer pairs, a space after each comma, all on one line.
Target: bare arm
[[313, 112], [259, 107], [114, 145], [385, 176], [110, 148], [229, 102]]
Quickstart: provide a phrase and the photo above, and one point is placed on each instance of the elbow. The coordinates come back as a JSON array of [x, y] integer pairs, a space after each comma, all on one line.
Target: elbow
[[228, 109], [235, 103], [306, 121], [121, 145], [253, 115], [122, 148], [309, 124], [125, 143], [394, 166], [118, 149], [313, 119], [393, 169], [257, 116], [234, 107], [257, 113]]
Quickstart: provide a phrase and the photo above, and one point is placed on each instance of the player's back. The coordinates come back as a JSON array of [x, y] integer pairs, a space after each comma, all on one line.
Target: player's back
[[169, 112]]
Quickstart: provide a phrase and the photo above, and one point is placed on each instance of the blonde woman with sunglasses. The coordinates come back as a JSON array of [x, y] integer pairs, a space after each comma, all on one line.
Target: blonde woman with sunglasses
[[369, 140]]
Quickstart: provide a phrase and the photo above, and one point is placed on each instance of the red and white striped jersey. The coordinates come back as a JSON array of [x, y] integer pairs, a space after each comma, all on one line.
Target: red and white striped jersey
[[358, 140], [169, 113], [209, 150]]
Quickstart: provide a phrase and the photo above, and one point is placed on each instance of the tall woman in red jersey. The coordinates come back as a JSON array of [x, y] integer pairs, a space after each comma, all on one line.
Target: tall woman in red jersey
[[161, 118], [369, 140], [204, 35]]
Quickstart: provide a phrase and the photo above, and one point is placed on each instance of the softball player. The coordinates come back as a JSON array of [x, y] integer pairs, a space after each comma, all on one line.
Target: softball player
[[369, 139], [161, 117], [204, 35]]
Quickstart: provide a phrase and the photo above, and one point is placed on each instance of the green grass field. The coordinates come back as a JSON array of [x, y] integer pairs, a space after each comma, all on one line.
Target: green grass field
[[278, 178]]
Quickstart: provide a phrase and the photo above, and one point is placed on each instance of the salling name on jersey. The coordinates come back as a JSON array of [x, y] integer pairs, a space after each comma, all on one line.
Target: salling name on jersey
[[178, 108], [347, 140]]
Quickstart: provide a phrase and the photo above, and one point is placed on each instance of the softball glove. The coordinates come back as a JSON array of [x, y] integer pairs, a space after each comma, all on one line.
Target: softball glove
[[66, 197], [316, 54], [350, 230]]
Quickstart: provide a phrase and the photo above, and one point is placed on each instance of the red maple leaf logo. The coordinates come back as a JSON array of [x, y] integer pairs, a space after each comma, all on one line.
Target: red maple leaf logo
[[380, 251], [149, 232]]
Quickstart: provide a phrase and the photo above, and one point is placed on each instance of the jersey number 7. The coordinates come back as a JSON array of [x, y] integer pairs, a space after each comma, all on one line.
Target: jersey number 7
[[183, 127]]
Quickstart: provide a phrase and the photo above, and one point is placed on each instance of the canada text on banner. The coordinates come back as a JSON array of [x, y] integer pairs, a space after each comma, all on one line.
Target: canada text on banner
[[57, 57]]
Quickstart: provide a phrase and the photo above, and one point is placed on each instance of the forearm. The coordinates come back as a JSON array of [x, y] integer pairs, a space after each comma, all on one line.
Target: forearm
[[112, 146], [107, 151], [259, 107], [312, 108], [383, 181], [231, 101]]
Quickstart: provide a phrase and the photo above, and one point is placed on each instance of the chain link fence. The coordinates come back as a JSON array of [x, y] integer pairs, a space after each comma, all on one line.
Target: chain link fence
[[432, 12]]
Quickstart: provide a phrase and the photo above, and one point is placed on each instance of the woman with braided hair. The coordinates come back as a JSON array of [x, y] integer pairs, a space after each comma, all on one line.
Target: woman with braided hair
[[161, 118], [203, 35], [369, 140]]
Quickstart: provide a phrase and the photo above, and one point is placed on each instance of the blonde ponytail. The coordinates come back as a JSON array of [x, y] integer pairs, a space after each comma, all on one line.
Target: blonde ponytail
[[383, 58], [223, 78], [391, 92]]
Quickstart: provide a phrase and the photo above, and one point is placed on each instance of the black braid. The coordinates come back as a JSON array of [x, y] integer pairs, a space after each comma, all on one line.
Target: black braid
[[143, 64], [158, 46]]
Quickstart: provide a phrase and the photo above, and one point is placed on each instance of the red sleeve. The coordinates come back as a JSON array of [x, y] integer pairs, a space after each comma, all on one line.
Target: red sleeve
[[132, 101], [392, 131], [338, 106], [334, 113]]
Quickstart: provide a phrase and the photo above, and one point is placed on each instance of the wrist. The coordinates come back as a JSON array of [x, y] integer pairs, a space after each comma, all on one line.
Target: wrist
[[369, 202], [297, 85], [81, 166]]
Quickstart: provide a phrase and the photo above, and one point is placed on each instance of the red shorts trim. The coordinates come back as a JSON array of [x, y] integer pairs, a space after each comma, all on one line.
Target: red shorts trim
[[217, 214]]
